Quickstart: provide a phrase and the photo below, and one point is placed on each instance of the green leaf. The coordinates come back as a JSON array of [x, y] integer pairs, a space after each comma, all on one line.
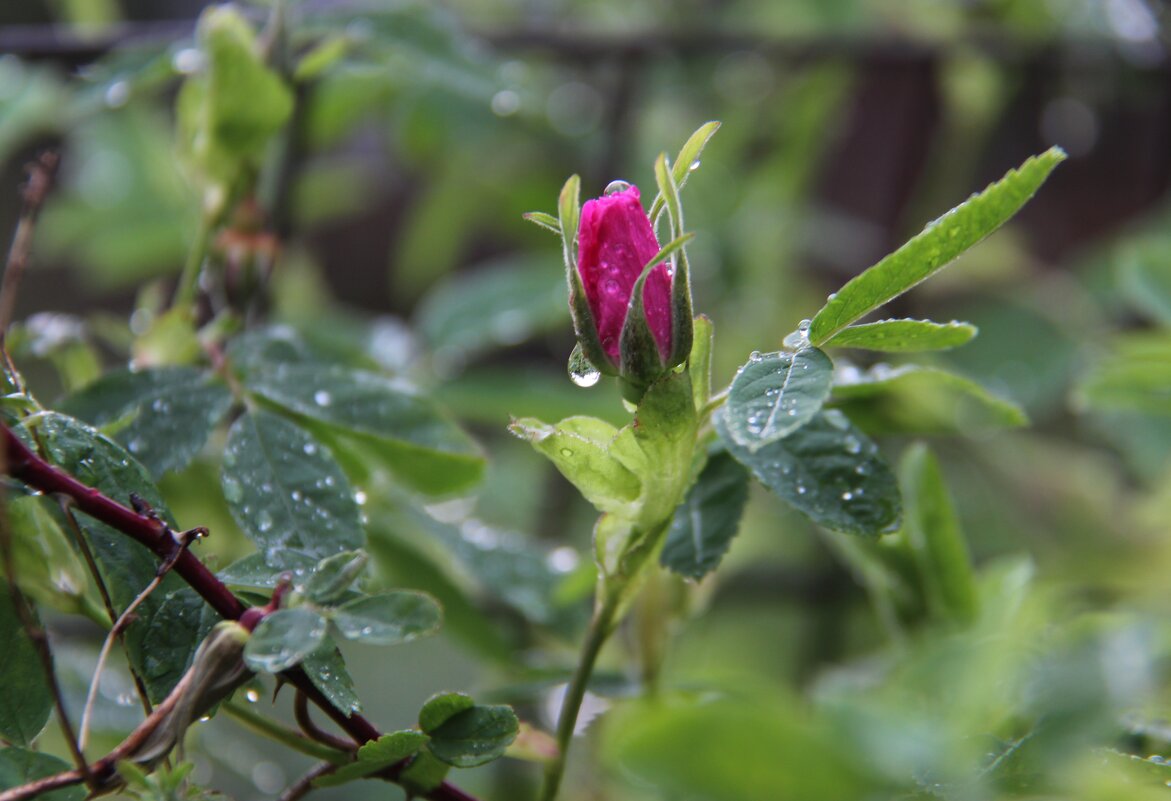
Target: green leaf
[[579, 448], [935, 538], [334, 575], [126, 567], [406, 431], [25, 702], [19, 767], [498, 305], [440, 707], [938, 245], [708, 519], [327, 670], [775, 394], [423, 774], [164, 415], [699, 363], [388, 618], [48, 568], [919, 399], [1134, 375], [903, 336], [474, 736], [255, 573], [376, 756], [287, 492], [829, 471], [686, 162], [284, 638]]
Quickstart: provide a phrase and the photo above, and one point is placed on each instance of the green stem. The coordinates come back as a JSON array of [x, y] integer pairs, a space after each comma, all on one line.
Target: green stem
[[189, 278], [601, 626], [273, 730]]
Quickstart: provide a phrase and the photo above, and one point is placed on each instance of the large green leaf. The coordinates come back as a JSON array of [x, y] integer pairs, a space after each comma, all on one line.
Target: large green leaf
[[388, 618], [903, 336], [474, 736], [405, 430], [708, 518], [375, 756], [126, 567], [920, 399], [775, 394], [163, 415], [287, 492], [25, 702], [284, 638], [939, 244], [828, 470], [935, 538], [19, 767]]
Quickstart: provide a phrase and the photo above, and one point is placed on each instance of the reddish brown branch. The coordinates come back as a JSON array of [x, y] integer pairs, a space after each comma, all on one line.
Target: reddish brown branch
[[24, 464]]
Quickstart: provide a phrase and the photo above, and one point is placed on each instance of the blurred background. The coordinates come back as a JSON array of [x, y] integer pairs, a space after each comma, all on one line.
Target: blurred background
[[428, 129]]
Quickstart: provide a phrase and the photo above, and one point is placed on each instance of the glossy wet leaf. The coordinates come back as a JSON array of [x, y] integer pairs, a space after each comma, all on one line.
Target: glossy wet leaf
[[25, 702], [937, 246], [126, 566], [474, 736], [903, 336], [283, 639], [389, 618], [287, 492], [579, 448], [163, 416], [407, 432], [440, 707], [327, 670], [334, 575], [935, 537], [775, 394], [708, 519], [920, 399], [19, 766], [829, 471], [377, 755]]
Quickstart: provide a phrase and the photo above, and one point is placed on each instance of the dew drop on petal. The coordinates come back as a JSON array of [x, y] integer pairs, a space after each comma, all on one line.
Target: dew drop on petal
[[614, 187]]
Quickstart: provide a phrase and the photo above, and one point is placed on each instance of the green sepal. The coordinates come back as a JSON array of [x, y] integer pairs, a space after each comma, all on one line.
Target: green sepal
[[584, 325], [682, 329], [688, 155]]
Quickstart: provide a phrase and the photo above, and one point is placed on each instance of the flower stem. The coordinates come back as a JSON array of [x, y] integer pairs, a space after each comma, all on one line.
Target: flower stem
[[600, 629]]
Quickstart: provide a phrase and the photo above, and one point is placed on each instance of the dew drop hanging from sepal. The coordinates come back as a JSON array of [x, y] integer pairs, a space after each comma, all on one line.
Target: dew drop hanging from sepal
[[581, 371]]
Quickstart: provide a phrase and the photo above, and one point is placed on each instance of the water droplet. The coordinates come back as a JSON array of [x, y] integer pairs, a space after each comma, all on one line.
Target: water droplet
[[296, 495], [309, 449], [853, 445], [801, 489], [611, 287], [755, 356], [264, 522], [581, 371], [614, 187], [322, 398], [233, 492], [847, 496], [252, 695], [831, 296], [359, 497], [204, 719], [800, 338], [117, 94], [187, 61], [693, 166], [135, 445], [566, 452]]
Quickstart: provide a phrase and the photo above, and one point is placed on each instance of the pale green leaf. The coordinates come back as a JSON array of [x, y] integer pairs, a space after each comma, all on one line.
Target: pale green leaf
[[903, 336]]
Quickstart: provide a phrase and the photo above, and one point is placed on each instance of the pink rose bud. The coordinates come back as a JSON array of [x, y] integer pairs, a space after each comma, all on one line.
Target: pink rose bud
[[615, 241]]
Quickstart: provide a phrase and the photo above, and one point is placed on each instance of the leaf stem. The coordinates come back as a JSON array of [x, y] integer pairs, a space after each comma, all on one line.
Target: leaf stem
[[601, 626]]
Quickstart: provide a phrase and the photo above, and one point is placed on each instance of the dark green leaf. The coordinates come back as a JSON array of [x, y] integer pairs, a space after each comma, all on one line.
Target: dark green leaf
[[287, 492], [389, 618], [19, 767], [474, 736], [903, 336], [935, 538], [327, 670], [262, 347], [708, 519], [164, 631], [334, 575], [25, 702], [283, 639], [938, 245], [440, 707], [164, 415], [828, 470], [915, 398], [375, 756], [775, 394], [415, 440], [125, 566]]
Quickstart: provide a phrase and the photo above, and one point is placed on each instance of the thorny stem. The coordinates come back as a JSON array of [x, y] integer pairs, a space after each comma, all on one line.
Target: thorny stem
[[311, 729], [601, 625], [27, 466]]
